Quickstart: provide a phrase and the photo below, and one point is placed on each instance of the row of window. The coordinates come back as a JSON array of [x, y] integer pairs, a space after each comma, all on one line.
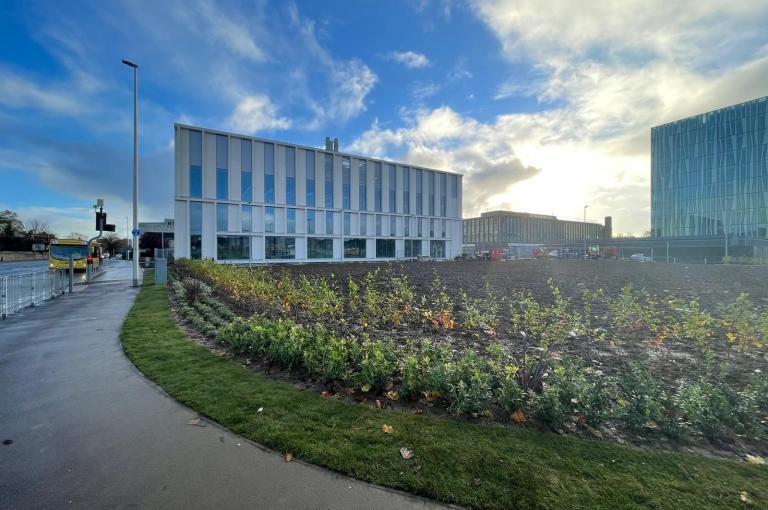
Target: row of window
[[437, 227], [284, 248], [222, 179]]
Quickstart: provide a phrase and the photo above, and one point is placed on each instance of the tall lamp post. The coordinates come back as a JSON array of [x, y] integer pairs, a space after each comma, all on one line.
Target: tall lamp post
[[135, 231], [585, 231]]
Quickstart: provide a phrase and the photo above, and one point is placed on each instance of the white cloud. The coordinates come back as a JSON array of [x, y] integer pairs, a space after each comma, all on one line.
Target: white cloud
[[256, 113], [17, 91], [444, 139], [606, 73], [409, 59], [422, 91]]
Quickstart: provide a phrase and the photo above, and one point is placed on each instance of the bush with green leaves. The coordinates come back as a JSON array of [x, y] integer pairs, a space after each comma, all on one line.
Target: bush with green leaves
[[375, 363], [469, 384], [642, 402]]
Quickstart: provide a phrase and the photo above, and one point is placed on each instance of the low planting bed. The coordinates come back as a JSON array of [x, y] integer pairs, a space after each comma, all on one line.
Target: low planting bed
[[476, 465], [657, 370]]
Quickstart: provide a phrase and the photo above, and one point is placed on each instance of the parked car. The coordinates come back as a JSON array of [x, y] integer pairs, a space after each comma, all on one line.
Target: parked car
[[641, 257]]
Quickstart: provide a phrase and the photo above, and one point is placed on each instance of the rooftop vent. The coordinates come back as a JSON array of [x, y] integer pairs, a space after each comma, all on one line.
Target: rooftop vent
[[331, 145]]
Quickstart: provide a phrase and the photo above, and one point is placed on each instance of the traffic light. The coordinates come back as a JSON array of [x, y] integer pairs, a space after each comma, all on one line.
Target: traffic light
[[101, 220]]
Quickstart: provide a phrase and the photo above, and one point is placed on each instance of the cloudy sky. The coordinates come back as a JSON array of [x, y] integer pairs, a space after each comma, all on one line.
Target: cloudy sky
[[544, 105]]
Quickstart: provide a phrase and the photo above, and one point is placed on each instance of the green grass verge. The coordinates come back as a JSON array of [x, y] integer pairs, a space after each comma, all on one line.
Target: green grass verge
[[473, 465]]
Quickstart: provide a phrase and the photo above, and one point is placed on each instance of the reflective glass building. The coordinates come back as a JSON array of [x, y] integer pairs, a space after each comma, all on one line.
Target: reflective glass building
[[244, 199], [709, 173]]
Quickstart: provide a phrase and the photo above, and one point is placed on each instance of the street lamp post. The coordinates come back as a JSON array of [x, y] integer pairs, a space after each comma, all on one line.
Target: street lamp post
[[585, 231], [135, 172]]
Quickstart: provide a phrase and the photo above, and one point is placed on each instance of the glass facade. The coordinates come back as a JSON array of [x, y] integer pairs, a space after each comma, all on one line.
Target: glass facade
[[310, 172], [354, 248], [269, 204], [290, 224], [222, 174], [290, 176], [246, 174], [709, 173], [195, 164], [406, 190], [392, 188], [269, 219], [195, 230], [362, 169], [329, 181], [311, 221], [385, 248], [346, 183], [419, 192], [233, 247], [269, 173], [319, 248], [279, 247], [222, 217], [377, 191], [246, 215]]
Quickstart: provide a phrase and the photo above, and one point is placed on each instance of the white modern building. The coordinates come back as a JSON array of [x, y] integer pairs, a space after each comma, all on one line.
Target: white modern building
[[244, 199]]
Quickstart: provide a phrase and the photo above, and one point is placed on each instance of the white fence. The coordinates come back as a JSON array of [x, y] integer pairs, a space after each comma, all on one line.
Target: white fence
[[30, 289]]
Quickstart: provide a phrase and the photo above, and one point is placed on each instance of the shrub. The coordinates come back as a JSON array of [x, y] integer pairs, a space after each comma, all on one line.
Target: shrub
[[285, 343], [469, 384], [375, 363], [642, 401], [705, 407], [326, 356], [194, 289]]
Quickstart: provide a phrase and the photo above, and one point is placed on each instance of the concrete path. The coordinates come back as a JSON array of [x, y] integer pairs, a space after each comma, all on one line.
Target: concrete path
[[89, 431]]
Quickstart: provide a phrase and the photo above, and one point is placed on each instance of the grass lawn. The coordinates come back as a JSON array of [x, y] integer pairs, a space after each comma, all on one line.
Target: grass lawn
[[472, 465]]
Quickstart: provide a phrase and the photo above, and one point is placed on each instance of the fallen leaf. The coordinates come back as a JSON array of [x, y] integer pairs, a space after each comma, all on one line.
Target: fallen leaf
[[196, 422], [406, 453], [519, 416], [326, 394], [378, 404], [351, 391], [387, 429], [392, 395], [288, 457], [429, 396], [260, 409], [754, 459], [744, 495], [365, 388]]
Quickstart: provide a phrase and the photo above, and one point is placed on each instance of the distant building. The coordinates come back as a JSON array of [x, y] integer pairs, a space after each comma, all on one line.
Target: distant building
[[244, 199], [518, 232], [709, 174]]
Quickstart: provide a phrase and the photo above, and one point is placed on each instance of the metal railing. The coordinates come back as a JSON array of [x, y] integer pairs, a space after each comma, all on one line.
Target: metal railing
[[20, 291]]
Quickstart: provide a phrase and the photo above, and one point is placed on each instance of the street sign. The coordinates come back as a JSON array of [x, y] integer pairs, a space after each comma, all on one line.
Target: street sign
[[135, 232]]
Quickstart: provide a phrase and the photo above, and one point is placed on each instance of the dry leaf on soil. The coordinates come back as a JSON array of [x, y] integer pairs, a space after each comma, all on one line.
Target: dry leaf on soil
[[392, 395], [406, 453], [387, 429], [518, 416], [754, 459], [744, 495], [288, 457], [378, 404]]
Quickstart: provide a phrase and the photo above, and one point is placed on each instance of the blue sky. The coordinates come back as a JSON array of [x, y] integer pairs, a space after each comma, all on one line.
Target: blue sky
[[544, 106]]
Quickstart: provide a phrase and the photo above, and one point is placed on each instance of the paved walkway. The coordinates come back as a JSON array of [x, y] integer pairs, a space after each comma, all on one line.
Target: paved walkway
[[89, 431]]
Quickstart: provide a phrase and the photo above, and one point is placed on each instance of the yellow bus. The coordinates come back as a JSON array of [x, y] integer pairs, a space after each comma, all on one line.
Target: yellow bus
[[60, 250]]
